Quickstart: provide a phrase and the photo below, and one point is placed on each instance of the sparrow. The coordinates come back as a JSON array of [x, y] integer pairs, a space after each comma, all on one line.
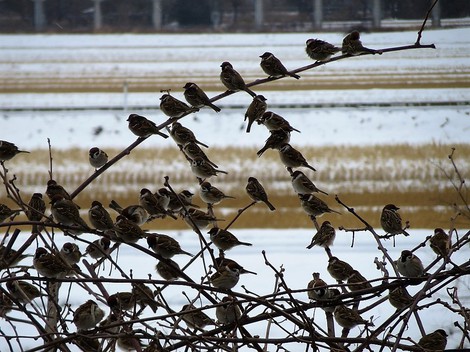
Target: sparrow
[[98, 248], [193, 151], [8, 150], [50, 265], [199, 218], [164, 245], [6, 304], [88, 315], [232, 80], [439, 242], [168, 270], [291, 157], [201, 168], [352, 45], [23, 291], [66, 212], [6, 212], [257, 193], [399, 297], [225, 240], [390, 220], [99, 217], [196, 97], [409, 265], [314, 206], [320, 50], [324, 237], [120, 301], [273, 67], [195, 318], [255, 110], [211, 194], [273, 122], [316, 288], [127, 341], [229, 312], [127, 231], [97, 157], [276, 139], [348, 318], [36, 209], [435, 341], [70, 253], [338, 269], [143, 127], [150, 203], [182, 135], [135, 213], [223, 261], [175, 108], [225, 277], [144, 296], [357, 282], [163, 197], [302, 184], [185, 198], [53, 188], [7, 256]]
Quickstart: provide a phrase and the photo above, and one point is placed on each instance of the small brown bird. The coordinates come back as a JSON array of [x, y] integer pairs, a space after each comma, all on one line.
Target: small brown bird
[[144, 296], [163, 196], [225, 240], [255, 110], [177, 201], [70, 252], [232, 80], [150, 203], [194, 317], [23, 291], [314, 206], [303, 185], [36, 209], [7, 256], [127, 231], [135, 213], [320, 50], [197, 97], [357, 282], [349, 318], [164, 245], [99, 217], [256, 192], [273, 67], [98, 248], [182, 135], [390, 220], [6, 212], [66, 212], [273, 121], [97, 157], [168, 270], [143, 127], [175, 108], [291, 157], [229, 312], [211, 194], [222, 261], [8, 150], [226, 277], [317, 287], [203, 169], [53, 188], [324, 237], [440, 243], [120, 301], [409, 265], [199, 218], [88, 315], [338, 269], [276, 139], [434, 342], [193, 151], [50, 265], [399, 297], [352, 45]]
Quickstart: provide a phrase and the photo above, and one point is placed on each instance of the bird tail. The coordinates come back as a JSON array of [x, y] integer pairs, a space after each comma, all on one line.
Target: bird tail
[[293, 75], [249, 91], [115, 206], [270, 206]]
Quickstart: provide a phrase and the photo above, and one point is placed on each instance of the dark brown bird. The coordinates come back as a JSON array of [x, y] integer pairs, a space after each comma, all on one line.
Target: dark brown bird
[[273, 121], [143, 127], [257, 193], [53, 188], [390, 220], [320, 50], [8, 150], [314, 206], [36, 209], [175, 108], [276, 139], [352, 45], [273, 67], [439, 242], [182, 135], [135, 213], [225, 240], [255, 110], [233, 80], [197, 98], [6, 212]]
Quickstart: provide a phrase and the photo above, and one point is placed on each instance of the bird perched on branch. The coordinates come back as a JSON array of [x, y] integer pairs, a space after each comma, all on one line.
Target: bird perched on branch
[[192, 151], [88, 315], [226, 276], [8, 150], [7, 256], [6, 212], [182, 135], [229, 312], [352, 45], [70, 252], [303, 185], [320, 50], [273, 67], [164, 245], [195, 318], [197, 98], [317, 287], [390, 220], [409, 265], [222, 261], [23, 291], [51, 265], [200, 219], [144, 296], [233, 80], [66, 212], [53, 188], [36, 209], [175, 108], [349, 318], [201, 168], [127, 231], [120, 301], [150, 203], [324, 237], [255, 110], [314, 206], [434, 342], [440, 243], [276, 139], [291, 157], [357, 282], [168, 270], [339, 269], [99, 217], [273, 121], [399, 297], [97, 157], [211, 194], [135, 213], [98, 248], [143, 127], [256, 192], [225, 240]]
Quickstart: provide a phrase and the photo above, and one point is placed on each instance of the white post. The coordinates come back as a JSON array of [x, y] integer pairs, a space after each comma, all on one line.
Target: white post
[[377, 13], [97, 17], [259, 14], [39, 16], [317, 13], [157, 14]]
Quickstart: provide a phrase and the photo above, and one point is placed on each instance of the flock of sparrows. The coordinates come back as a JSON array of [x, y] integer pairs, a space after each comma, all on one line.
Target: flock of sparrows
[[126, 228]]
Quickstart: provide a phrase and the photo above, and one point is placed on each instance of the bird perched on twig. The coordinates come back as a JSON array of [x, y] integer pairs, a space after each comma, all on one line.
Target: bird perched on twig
[[200, 219], [291, 157], [320, 50], [143, 127], [36, 209], [273, 121], [440, 243], [225, 240], [316, 287], [256, 192], [303, 185], [168, 270], [201, 168], [255, 110], [229, 312], [349, 318], [390, 220], [193, 151], [135, 213], [70, 252], [6, 212], [324, 237], [66, 212], [314, 206], [197, 97], [434, 342], [226, 276], [339, 269], [97, 157], [120, 301], [221, 261], [352, 45], [409, 265], [276, 139], [99, 217], [175, 108], [195, 318], [7, 256], [8, 150], [127, 231], [273, 67], [23, 291], [211, 194], [182, 135], [53, 188], [150, 203], [399, 297], [164, 245], [233, 80], [357, 282], [50, 265], [144, 296], [88, 315], [98, 248]]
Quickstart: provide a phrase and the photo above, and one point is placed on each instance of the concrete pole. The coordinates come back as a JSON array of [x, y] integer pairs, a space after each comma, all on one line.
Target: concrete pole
[[39, 15], [317, 13], [97, 17], [436, 14], [377, 13], [157, 14], [259, 14]]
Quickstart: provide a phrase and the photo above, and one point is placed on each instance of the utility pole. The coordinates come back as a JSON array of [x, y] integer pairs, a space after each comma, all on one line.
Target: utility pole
[[259, 14], [317, 13], [39, 15], [157, 14], [97, 17]]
